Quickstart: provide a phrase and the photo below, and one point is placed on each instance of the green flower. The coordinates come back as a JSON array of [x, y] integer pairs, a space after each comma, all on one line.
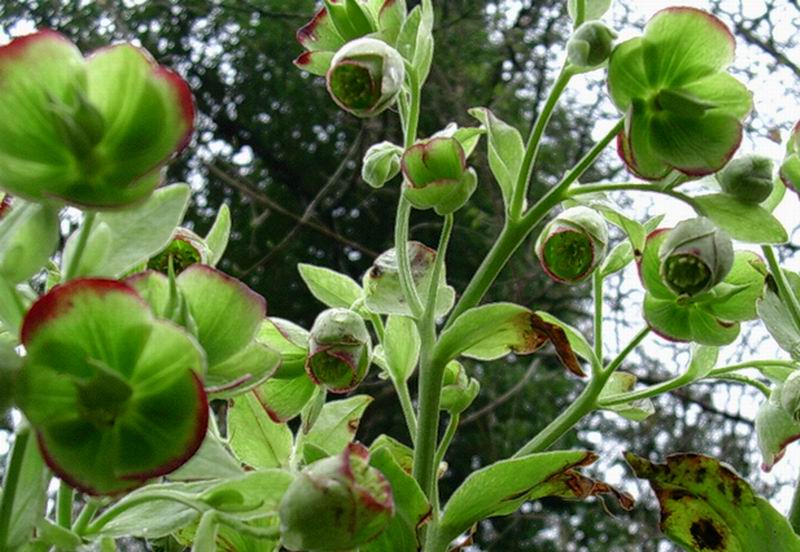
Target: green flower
[[695, 256], [114, 394], [95, 131], [185, 249], [338, 350], [710, 317], [573, 244], [437, 176], [338, 503], [366, 76], [683, 111]]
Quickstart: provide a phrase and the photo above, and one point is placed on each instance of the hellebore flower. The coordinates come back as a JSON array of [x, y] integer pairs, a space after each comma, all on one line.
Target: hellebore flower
[[338, 350], [695, 256], [224, 315], [95, 131], [437, 176], [706, 298], [185, 249], [682, 110], [337, 503], [366, 76], [748, 178], [114, 394], [590, 45], [573, 244]]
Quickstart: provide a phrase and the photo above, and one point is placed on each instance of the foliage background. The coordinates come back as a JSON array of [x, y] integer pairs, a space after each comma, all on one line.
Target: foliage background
[[273, 146]]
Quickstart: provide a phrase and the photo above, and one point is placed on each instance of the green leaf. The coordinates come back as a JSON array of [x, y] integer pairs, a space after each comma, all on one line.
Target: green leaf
[[735, 298], [288, 339], [211, 461], [28, 507], [618, 258], [401, 453], [401, 347], [411, 507], [501, 488], [492, 331], [29, 234], [337, 424], [778, 319], [330, 287], [254, 437], [505, 150], [122, 240], [217, 238], [576, 339], [706, 506], [595, 9], [623, 382], [415, 41], [704, 359], [744, 221], [390, 15]]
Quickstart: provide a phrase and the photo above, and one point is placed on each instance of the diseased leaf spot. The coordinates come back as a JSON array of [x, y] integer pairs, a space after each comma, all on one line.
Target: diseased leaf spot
[[706, 536]]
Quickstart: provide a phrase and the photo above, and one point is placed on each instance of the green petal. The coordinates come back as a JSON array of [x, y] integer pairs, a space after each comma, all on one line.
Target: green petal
[[725, 92], [33, 157], [643, 160], [226, 311], [626, 74], [320, 33], [683, 45], [650, 266], [244, 370], [316, 63], [148, 112], [667, 318], [708, 330], [748, 282], [695, 146]]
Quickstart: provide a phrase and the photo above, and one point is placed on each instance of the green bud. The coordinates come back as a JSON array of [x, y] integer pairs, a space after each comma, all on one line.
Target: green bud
[[366, 76], [748, 178], [789, 395], [437, 176], [339, 350], [573, 245], [338, 503], [381, 164], [695, 256], [590, 45], [790, 172], [458, 390]]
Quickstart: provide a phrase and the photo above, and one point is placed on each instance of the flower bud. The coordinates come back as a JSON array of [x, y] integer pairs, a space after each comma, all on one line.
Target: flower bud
[[458, 390], [366, 76], [590, 45], [338, 503], [573, 244], [437, 175], [695, 256], [185, 249], [748, 178], [381, 164], [339, 350]]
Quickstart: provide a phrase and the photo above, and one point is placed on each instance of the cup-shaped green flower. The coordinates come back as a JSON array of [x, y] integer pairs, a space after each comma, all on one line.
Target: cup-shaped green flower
[[437, 176], [683, 110], [749, 178], [695, 256], [95, 131], [366, 76], [338, 503], [590, 45], [338, 350], [114, 394], [185, 249], [573, 244]]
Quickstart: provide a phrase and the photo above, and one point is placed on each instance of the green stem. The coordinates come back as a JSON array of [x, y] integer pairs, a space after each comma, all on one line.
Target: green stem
[[739, 378], [584, 404], [632, 187], [64, 499], [784, 289], [403, 395], [597, 291], [447, 438], [580, 13], [256, 532], [534, 143], [722, 370], [83, 238], [377, 325], [411, 121], [514, 233], [647, 392], [89, 510], [13, 470], [403, 263]]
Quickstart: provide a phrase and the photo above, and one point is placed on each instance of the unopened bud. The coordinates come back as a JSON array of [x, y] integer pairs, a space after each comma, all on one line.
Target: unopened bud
[[458, 390], [572, 245], [748, 178], [590, 45], [381, 164], [339, 350]]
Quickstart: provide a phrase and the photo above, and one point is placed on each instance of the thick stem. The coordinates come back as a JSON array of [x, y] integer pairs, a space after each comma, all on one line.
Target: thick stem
[[534, 142], [64, 505], [514, 233], [584, 404], [86, 515], [13, 470], [597, 291], [83, 238]]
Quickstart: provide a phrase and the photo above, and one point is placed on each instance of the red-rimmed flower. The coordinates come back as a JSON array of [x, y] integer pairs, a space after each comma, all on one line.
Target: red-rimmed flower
[[338, 503], [94, 131], [573, 245], [683, 110], [114, 394], [338, 350]]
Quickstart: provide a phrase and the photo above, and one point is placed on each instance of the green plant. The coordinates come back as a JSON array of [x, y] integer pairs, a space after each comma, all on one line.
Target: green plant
[[113, 346]]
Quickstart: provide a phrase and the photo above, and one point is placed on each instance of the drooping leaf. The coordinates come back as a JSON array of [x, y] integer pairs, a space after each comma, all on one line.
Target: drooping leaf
[[623, 382]]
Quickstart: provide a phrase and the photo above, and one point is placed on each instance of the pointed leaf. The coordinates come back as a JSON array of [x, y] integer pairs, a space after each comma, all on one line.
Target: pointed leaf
[[337, 424], [217, 238], [506, 150], [254, 437], [330, 287], [401, 347]]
